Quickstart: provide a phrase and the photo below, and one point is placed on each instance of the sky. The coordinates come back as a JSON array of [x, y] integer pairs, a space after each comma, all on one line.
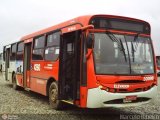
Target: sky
[[22, 17]]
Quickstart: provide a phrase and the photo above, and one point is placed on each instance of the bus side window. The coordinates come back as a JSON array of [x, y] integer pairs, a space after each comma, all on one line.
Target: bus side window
[[38, 48], [52, 49], [13, 52], [20, 51]]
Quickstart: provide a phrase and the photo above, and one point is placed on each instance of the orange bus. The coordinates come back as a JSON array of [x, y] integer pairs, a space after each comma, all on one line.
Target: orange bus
[[91, 61]]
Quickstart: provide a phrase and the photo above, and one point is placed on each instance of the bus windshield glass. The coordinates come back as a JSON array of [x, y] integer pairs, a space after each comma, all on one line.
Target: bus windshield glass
[[122, 54]]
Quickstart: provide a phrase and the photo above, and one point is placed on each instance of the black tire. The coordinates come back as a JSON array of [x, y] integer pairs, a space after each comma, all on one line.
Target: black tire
[[14, 82], [53, 97]]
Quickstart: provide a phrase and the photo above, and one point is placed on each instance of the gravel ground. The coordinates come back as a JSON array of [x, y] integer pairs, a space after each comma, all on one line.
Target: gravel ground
[[29, 105]]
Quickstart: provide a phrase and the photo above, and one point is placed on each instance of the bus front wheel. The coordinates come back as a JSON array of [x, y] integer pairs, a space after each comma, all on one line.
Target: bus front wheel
[[53, 97]]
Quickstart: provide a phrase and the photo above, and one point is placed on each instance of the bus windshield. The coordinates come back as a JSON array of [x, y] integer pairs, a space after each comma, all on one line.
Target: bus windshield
[[122, 54]]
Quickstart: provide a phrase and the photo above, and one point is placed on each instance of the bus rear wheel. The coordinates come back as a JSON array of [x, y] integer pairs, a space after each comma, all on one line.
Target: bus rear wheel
[[53, 97], [14, 82]]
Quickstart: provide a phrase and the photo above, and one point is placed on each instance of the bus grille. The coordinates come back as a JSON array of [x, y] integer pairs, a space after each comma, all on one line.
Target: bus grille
[[130, 81], [120, 101]]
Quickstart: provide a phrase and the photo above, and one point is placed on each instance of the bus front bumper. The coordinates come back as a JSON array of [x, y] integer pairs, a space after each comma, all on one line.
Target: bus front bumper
[[98, 98]]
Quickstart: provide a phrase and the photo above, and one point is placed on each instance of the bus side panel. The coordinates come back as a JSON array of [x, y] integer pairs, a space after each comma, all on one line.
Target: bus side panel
[[19, 73], [10, 72], [12, 69], [19, 78], [50, 69], [41, 72], [38, 85]]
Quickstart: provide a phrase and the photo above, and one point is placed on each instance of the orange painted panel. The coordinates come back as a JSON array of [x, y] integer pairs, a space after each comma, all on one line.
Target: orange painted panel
[[83, 97], [19, 78], [38, 85], [28, 79]]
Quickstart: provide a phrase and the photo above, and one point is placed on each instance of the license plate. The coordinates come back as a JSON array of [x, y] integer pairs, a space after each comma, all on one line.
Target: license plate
[[129, 99]]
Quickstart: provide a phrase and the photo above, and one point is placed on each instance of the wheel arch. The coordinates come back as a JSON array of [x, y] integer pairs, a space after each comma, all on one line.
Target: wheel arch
[[49, 81]]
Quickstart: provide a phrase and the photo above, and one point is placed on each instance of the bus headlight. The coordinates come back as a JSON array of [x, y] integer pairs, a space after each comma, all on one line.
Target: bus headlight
[[100, 86], [107, 89]]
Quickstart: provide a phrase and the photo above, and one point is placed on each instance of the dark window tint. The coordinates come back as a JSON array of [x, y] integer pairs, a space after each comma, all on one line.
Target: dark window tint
[[52, 53], [70, 48], [19, 56], [20, 46], [53, 39], [39, 42], [37, 54], [4, 52], [13, 52], [14, 46]]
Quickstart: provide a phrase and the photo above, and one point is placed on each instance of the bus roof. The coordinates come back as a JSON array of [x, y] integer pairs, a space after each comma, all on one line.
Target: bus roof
[[83, 20]]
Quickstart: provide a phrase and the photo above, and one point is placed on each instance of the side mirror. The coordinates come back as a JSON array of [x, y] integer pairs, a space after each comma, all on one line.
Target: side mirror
[[90, 44], [90, 41]]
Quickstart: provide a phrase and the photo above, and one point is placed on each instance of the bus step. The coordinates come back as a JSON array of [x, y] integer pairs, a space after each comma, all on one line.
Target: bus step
[[27, 89], [68, 101]]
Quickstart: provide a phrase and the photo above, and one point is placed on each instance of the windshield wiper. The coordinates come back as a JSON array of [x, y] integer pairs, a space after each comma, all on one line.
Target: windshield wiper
[[134, 47], [135, 40], [133, 50], [119, 42], [123, 50]]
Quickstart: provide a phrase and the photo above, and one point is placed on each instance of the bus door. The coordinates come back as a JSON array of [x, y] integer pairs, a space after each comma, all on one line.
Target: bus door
[[27, 64], [7, 63], [69, 66]]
